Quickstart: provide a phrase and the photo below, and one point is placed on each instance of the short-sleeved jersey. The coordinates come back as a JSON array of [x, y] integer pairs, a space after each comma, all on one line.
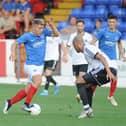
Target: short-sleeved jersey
[[17, 6], [78, 58], [52, 48], [24, 7], [8, 6], [90, 52], [35, 47], [108, 41]]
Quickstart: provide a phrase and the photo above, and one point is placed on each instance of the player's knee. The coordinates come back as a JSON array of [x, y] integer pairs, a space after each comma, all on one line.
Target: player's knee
[[80, 79]]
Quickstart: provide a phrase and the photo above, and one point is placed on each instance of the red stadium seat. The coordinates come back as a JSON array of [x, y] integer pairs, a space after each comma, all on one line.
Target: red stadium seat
[[38, 8]]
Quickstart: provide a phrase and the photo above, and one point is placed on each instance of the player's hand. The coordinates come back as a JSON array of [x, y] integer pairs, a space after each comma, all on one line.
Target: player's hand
[[65, 58], [111, 76], [124, 59], [51, 22], [12, 57]]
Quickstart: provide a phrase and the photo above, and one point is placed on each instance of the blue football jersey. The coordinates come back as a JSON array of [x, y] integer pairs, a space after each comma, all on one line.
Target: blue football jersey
[[35, 46], [108, 41]]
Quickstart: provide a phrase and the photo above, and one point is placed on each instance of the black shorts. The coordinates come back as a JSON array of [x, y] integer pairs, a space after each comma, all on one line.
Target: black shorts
[[98, 78], [79, 68], [50, 64]]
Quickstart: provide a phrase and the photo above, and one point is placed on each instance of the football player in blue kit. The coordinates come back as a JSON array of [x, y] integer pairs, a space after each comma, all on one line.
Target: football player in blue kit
[[109, 38], [35, 45]]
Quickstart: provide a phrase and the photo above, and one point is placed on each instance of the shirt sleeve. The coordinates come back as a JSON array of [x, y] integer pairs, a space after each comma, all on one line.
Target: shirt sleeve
[[99, 34], [28, 6], [91, 51], [22, 39], [120, 36]]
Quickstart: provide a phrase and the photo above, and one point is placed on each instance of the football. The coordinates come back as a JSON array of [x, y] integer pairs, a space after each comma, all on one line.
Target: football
[[35, 110]]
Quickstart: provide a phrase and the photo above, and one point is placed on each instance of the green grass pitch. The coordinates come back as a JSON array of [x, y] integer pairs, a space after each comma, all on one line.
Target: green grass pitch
[[62, 109]]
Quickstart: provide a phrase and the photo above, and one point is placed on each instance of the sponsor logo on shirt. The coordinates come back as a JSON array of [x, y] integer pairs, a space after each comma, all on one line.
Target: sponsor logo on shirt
[[37, 44], [109, 43]]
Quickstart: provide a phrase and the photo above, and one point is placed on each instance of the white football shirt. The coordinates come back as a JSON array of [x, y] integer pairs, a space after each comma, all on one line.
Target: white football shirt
[[78, 58], [52, 48], [90, 52]]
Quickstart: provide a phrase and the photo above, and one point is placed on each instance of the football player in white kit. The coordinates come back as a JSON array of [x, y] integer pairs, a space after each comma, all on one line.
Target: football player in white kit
[[100, 71], [51, 59], [79, 63]]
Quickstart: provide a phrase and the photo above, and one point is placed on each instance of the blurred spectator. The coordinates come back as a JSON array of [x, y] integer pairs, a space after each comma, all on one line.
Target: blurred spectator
[[1, 8], [8, 5], [17, 6], [66, 32], [98, 26], [7, 25], [23, 14]]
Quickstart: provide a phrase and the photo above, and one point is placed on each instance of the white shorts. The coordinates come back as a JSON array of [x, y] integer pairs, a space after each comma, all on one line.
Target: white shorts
[[114, 64], [32, 70]]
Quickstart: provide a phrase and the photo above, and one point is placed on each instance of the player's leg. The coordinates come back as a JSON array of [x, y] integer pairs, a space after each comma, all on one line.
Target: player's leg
[[50, 66], [32, 91], [94, 89], [18, 97], [35, 73], [83, 92], [113, 86], [46, 87], [80, 70], [22, 93], [90, 94]]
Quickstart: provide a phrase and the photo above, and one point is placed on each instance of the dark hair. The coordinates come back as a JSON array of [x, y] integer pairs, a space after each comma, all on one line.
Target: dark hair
[[80, 21], [99, 20], [111, 16]]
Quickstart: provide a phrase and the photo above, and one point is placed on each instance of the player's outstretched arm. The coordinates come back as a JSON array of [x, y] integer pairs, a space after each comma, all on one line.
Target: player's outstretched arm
[[65, 50], [53, 27], [121, 51], [106, 65], [13, 51]]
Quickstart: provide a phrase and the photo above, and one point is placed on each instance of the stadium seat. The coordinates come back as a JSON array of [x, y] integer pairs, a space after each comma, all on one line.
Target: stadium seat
[[76, 12], [121, 12], [123, 36], [87, 13], [88, 7], [89, 25], [62, 24], [115, 2], [113, 7], [101, 12], [104, 24], [102, 2], [89, 2], [121, 26]]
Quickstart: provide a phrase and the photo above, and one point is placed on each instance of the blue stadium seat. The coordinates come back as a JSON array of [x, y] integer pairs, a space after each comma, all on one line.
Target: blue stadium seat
[[101, 12], [89, 2], [113, 7], [89, 25], [119, 26], [62, 24], [90, 13], [123, 36], [76, 12], [104, 24], [121, 12], [115, 2], [88, 7], [102, 2]]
